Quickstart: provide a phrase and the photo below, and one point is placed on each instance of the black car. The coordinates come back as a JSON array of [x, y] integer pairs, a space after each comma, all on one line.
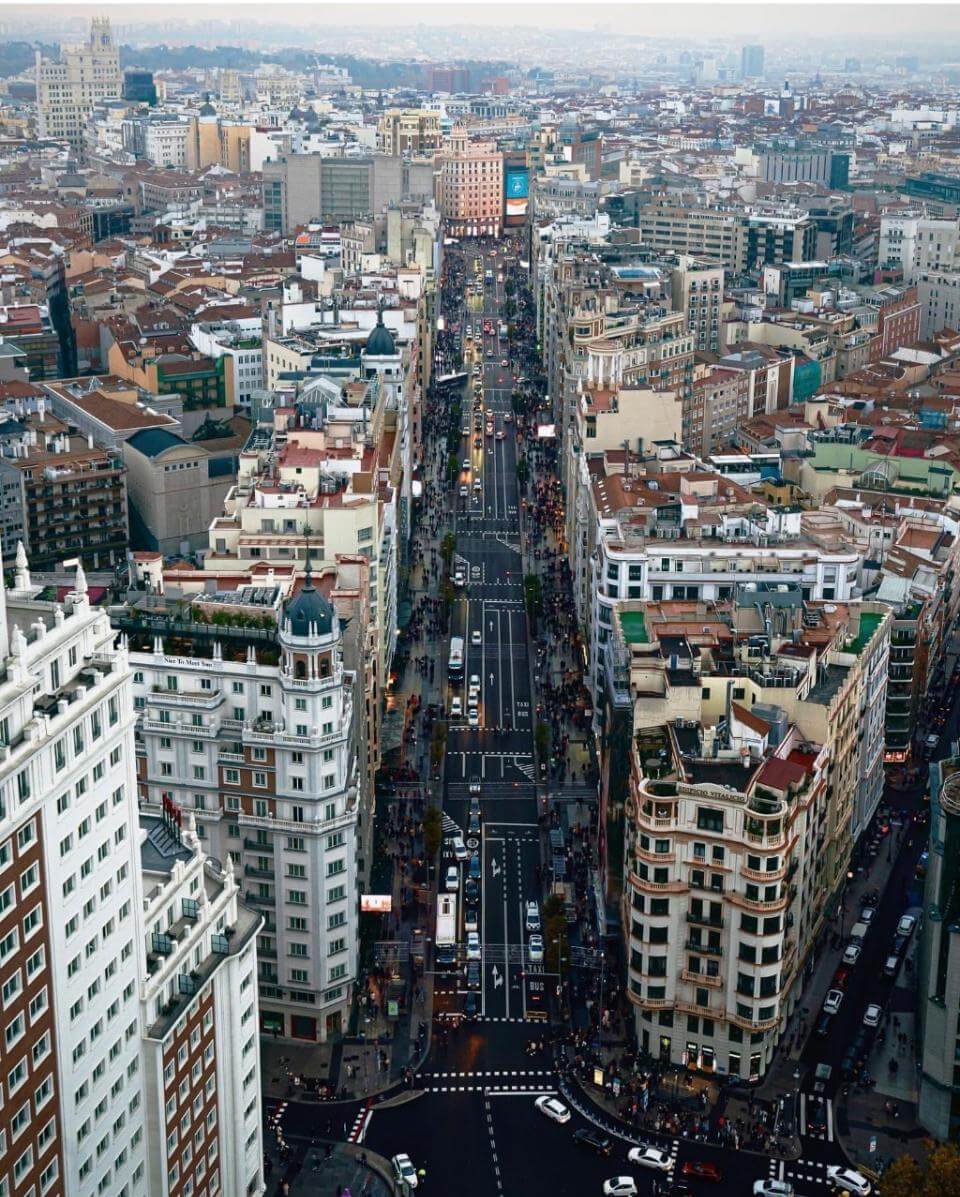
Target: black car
[[471, 890], [473, 826], [588, 1137], [472, 1005], [473, 974], [824, 1023], [816, 1116]]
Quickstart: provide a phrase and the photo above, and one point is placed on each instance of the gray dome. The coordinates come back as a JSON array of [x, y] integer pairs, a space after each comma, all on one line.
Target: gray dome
[[380, 342], [308, 612]]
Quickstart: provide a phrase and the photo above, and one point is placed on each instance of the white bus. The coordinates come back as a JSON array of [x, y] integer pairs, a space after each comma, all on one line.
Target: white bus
[[455, 660], [445, 943]]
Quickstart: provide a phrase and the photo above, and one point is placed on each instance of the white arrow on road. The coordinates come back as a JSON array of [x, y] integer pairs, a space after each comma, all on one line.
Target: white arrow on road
[[497, 979], [491, 679], [494, 867]]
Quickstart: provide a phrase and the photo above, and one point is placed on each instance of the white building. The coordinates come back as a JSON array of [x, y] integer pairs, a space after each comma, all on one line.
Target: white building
[[258, 745], [240, 343], [68, 90]]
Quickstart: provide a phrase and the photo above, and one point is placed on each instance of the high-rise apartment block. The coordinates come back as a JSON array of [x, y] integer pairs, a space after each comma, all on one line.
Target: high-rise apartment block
[[470, 186], [127, 966], [67, 90], [415, 132]]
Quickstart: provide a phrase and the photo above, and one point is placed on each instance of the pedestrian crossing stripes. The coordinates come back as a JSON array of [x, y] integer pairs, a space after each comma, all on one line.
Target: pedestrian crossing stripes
[[493, 1090], [497, 1074], [807, 1172], [361, 1124]]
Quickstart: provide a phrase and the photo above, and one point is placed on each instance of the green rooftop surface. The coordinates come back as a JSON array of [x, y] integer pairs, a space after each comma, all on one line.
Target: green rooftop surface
[[634, 628], [869, 622]]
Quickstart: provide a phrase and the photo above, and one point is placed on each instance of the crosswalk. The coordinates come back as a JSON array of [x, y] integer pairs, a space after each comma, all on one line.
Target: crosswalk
[[800, 1172], [533, 1082]]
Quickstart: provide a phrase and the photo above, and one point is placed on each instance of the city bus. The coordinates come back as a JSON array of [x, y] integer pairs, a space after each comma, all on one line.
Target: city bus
[[455, 660], [445, 942]]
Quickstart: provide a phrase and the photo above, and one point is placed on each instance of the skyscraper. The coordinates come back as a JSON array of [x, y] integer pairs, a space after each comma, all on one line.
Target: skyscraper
[[751, 62], [68, 90]]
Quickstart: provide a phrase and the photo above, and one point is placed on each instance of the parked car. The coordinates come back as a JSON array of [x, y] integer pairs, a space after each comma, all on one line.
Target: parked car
[[890, 966], [453, 878], [872, 1014], [702, 1170], [833, 1001], [587, 1137], [848, 1178], [867, 913], [650, 1157], [906, 925], [553, 1109], [851, 953], [772, 1188]]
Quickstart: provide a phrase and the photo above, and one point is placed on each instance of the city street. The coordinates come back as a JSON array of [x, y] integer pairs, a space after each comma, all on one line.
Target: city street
[[474, 1118]]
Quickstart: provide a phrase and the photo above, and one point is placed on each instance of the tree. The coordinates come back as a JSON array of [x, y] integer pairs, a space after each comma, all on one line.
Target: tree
[[556, 952], [523, 471], [533, 590], [937, 1176], [542, 740], [432, 831], [447, 548]]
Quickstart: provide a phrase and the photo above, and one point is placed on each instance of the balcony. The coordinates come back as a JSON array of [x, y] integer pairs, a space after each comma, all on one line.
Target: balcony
[[704, 920], [658, 887], [701, 979], [763, 876], [706, 949], [258, 899], [755, 904], [748, 1024], [257, 846], [264, 874], [205, 700], [654, 858]]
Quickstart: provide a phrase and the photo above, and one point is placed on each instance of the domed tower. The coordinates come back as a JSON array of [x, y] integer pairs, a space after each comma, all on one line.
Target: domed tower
[[309, 635]]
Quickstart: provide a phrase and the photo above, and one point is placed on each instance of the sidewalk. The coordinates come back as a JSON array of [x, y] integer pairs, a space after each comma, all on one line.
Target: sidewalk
[[312, 1172]]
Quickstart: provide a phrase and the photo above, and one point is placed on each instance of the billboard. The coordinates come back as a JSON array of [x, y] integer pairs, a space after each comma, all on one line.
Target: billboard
[[376, 903], [516, 193]]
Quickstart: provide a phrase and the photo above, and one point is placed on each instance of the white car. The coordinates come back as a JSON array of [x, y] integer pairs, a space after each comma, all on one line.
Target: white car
[[456, 707], [866, 915], [473, 717], [871, 1016], [553, 1109], [500, 434], [650, 1157], [475, 638], [532, 916], [833, 1001], [474, 681], [452, 882], [906, 924], [849, 1179], [473, 945], [404, 1171], [535, 949], [459, 848], [772, 1188], [852, 953], [620, 1186], [474, 786]]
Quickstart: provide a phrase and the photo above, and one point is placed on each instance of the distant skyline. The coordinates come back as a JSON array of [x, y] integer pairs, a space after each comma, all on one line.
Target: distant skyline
[[874, 22]]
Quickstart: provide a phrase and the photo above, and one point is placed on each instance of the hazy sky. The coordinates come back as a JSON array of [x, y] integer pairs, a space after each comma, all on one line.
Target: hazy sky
[[766, 18]]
